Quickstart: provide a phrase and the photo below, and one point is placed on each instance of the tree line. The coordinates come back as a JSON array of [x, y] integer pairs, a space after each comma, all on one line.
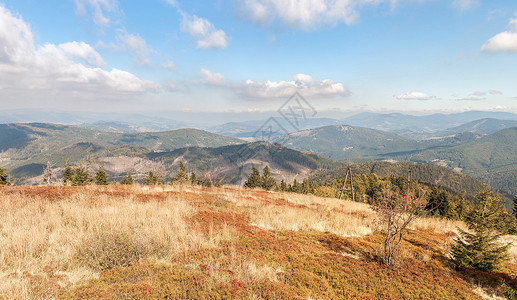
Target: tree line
[[79, 176]]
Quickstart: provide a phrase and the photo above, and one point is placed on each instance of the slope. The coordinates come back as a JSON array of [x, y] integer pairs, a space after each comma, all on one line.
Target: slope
[[347, 142], [26, 147], [492, 156]]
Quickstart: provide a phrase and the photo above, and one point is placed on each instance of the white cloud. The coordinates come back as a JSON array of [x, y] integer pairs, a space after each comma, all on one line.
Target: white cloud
[[310, 14], [414, 96], [505, 41], [495, 92], [25, 67], [204, 32], [212, 78], [133, 43], [99, 9], [302, 83], [470, 99], [84, 52], [465, 4], [304, 14], [173, 3], [168, 65]]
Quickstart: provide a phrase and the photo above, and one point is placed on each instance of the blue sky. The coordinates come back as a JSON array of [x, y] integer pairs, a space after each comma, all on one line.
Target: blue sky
[[344, 56]]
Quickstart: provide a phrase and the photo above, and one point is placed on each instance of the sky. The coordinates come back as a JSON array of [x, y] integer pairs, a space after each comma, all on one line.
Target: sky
[[245, 56]]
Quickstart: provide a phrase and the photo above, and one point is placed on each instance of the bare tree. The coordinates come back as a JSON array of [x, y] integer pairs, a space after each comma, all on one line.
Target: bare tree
[[48, 174], [396, 212]]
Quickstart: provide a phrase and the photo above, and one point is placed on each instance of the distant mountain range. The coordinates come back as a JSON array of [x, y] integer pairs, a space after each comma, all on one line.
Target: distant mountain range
[[409, 126], [482, 148], [422, 126], [26, 148]]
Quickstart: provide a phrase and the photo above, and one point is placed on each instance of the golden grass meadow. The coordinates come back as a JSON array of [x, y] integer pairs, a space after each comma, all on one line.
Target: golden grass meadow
[[184, 242]]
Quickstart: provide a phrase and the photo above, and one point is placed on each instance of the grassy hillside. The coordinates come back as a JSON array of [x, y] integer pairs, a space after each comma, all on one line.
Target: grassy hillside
[[218, 243]]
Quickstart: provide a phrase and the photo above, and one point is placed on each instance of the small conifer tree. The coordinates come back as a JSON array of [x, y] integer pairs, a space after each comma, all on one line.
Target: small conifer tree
[[81, 176], [193, 178], [101, 178], [4, 178], [152, 179], [254, 179], [306, 186], [481, 247], [296, 187], [128, 179], [181, 176], [283, 186], [268, 181], [68, 173]]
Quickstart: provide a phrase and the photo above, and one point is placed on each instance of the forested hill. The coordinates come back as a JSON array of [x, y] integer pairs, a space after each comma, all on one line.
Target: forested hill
[[452, 181]]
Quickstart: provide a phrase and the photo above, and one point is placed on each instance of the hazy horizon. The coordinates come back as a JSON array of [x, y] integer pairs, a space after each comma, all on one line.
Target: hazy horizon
[[243, 57]]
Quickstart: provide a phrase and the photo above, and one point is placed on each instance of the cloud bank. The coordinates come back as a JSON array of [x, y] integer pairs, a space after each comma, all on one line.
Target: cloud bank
[[414, 96], [30, 67], [302, 83]]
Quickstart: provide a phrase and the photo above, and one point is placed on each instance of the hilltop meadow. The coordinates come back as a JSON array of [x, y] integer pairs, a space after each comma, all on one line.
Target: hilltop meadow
[[182, 241]]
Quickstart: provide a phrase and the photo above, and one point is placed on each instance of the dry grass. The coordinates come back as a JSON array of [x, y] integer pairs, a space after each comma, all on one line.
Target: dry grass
[[40, 236], [40, 231]]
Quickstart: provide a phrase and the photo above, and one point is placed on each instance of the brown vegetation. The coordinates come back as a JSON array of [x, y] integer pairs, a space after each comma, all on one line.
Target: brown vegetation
[[195, 242]]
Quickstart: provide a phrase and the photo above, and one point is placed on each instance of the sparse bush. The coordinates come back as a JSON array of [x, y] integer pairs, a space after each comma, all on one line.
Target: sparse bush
[[396, 212], [107, 250]]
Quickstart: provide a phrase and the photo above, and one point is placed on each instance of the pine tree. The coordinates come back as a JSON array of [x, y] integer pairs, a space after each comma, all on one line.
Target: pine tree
[[68, 173], [254, 179], [296, 187], [482, 249], [152, 179], [181, 176], [193, 178], [515, 207], [283, 186], [101, 178], [48, 175], [128, 179], [268, 181], [306, 187], [81, 176], [439, 203], [5, 179]]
